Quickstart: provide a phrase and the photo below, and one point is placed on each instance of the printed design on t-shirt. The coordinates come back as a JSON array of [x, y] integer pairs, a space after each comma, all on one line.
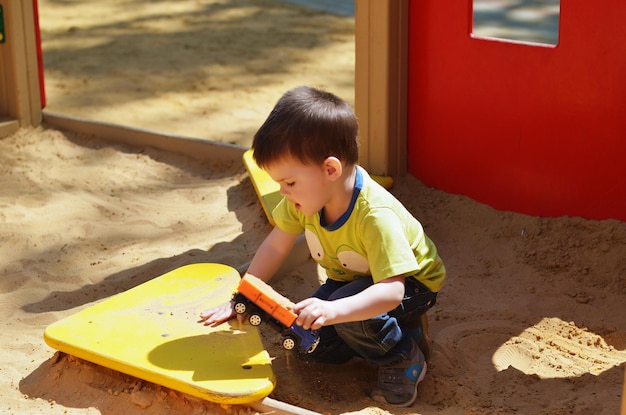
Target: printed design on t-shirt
[[345, 256], [315, 245], [353, 260]]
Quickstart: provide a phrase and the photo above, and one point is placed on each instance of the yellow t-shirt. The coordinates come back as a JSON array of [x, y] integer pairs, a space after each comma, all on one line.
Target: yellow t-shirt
[[376, 236]]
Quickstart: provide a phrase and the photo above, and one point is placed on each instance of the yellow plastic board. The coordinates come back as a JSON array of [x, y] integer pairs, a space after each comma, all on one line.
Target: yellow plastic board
[[152, 332], [268, 190]]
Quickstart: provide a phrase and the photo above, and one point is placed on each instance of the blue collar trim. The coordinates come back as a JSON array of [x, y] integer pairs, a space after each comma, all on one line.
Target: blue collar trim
[[358, 185]]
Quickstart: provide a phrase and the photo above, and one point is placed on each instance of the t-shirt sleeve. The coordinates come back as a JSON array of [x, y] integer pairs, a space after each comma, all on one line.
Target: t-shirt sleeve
[[287, 218], [389, 251]]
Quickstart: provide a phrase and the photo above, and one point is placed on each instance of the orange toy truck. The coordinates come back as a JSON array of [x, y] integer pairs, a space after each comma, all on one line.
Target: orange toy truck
[[261, 303]]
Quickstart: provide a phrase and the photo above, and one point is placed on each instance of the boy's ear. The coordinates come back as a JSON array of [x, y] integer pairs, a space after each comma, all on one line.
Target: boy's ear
[[333, 168]]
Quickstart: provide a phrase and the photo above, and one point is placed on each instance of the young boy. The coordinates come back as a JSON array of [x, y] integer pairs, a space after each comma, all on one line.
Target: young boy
[[383, 271]]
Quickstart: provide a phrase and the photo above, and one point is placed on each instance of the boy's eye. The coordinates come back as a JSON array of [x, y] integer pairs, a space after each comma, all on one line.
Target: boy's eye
[[290, 184]]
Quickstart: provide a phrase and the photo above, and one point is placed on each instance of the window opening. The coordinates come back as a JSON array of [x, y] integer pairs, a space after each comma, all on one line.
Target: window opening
[[532, 21]]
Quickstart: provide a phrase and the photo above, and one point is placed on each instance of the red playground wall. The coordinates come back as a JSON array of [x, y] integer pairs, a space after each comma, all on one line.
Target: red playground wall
[[539, 130]]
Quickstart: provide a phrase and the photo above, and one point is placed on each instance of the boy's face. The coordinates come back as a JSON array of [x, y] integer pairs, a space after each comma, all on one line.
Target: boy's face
[[306, 186]]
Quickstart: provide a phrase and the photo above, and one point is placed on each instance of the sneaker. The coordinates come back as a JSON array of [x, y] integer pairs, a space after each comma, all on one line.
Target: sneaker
[[397, 384]]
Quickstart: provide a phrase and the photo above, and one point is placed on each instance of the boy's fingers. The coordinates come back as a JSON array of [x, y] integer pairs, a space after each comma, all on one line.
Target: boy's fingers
[[206, 314], [302, 304]]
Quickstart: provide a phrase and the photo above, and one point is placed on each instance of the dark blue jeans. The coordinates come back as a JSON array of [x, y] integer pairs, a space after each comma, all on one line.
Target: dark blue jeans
[[383, 340]]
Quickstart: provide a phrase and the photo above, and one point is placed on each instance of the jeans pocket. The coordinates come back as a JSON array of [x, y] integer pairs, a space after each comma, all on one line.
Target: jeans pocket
[[417, 300]]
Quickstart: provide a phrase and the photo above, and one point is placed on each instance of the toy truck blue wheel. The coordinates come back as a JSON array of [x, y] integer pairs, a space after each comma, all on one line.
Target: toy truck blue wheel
[[289, 343]]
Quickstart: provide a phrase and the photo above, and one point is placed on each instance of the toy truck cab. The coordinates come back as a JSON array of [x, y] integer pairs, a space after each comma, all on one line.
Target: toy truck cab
[[261, 303]]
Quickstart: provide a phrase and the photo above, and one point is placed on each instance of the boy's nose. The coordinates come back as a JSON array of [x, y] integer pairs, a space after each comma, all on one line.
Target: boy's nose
[[283, 190]]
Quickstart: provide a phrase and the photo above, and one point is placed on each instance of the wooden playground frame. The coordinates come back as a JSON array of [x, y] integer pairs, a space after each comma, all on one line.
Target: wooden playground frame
[[381, 32], [380, 83], [20, 92]]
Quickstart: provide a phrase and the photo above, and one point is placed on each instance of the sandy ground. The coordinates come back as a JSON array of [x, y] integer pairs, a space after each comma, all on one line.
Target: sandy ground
[[530, 321], [200, 68]]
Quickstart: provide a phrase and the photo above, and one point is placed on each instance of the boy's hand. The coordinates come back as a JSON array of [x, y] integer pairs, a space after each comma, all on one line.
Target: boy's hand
[[314, 313], [217, 315]]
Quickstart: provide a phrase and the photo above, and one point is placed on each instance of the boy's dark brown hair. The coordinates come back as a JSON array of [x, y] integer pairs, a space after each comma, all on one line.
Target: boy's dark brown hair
[[309, 125]]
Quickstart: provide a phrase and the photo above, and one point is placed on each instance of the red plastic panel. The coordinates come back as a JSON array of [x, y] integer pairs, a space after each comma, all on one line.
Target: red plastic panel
[[42, 89], [533, 129]]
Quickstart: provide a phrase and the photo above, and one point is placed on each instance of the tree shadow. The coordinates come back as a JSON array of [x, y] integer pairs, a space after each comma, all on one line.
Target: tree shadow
[[126, 279], [151, 52]]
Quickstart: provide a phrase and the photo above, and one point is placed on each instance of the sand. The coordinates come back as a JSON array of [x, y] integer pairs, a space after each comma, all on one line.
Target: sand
[[531, 319], [207, 68]]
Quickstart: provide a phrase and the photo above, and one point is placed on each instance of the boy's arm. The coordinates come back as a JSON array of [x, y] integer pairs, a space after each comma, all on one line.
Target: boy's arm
[[374, 300], [271, 254]]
